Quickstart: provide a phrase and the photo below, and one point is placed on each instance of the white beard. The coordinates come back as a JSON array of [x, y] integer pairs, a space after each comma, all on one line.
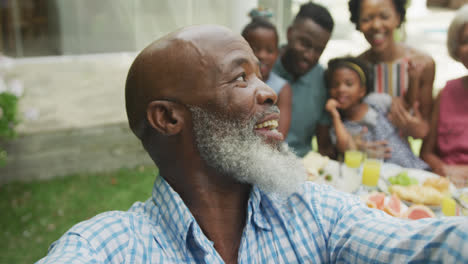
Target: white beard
[[234, 149]]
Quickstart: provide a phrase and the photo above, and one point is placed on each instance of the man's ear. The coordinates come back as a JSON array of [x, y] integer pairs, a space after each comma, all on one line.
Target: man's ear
[[165, 117]]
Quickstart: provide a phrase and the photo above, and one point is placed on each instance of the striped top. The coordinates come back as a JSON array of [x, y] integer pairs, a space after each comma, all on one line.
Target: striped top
[[391, 78], [315, 225]]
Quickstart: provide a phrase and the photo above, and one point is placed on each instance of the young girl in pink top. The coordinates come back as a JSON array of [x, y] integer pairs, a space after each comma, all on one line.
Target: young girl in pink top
[[446, 147]]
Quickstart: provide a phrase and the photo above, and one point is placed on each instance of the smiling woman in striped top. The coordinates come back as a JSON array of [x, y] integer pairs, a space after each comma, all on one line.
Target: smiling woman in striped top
[[400, 71]]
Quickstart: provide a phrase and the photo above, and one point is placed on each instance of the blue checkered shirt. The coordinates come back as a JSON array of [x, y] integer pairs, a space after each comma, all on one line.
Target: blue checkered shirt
[[315, 225]]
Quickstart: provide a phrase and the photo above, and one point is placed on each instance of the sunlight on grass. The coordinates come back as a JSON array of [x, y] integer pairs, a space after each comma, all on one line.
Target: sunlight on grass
[[35, 214]]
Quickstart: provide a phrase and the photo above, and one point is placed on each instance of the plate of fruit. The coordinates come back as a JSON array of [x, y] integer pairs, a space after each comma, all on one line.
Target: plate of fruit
[[392, 205], [416, 186]]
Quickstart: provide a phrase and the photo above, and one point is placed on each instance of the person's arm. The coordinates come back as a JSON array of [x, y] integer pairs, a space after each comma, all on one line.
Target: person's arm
[[418, 99], [325, 146], [457, 173], [284, 104], [71, 248], [343, 138], [425, 85], [428, 149], [354, 233], [359, 234], [105, 236]]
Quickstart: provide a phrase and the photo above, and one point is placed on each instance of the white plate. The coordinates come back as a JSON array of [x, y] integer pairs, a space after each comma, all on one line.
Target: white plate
[[388, 170]]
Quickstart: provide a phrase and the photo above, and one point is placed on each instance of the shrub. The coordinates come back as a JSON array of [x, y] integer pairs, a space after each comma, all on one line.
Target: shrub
[[8, 120]]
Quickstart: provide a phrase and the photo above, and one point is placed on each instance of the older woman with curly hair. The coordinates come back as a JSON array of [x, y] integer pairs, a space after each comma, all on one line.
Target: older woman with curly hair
[[446, 147], [401, 71]]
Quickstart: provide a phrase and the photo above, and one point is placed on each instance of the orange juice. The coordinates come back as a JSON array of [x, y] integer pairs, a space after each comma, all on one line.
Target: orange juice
[[448, 206], [371, 172], [353, 158]]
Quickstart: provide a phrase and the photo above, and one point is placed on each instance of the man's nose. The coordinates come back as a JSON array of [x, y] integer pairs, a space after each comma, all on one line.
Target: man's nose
[[264, 94]]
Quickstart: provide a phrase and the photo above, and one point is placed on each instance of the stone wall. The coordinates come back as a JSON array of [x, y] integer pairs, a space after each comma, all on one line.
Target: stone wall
[[59, 153]]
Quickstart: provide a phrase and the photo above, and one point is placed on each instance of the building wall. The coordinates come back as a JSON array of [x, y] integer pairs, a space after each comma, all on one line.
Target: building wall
[[122, 25], [104, 26], [90, 26]]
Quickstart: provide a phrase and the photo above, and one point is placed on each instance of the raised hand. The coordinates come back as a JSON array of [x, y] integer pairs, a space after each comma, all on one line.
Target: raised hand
[[375, 149], [332, 107], [409, 123]]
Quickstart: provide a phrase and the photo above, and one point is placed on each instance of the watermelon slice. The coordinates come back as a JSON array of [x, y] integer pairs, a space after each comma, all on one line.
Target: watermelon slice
[[393, 206], [418, 211], [371, 204], [377, 199]]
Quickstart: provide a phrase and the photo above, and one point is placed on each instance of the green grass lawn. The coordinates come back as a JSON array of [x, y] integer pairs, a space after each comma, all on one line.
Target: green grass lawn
[[35, 214]]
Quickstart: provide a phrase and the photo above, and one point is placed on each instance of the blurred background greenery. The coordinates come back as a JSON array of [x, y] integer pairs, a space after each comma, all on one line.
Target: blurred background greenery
[[35, 214]]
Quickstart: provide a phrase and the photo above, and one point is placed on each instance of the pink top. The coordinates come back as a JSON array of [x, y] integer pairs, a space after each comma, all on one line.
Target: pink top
[[452, 130]]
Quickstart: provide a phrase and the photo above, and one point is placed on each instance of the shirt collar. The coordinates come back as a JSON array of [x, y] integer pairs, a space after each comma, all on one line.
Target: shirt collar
[[174, 216], [255, 209], [177, 219]]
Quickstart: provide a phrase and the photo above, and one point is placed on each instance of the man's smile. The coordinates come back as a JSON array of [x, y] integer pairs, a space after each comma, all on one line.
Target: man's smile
[[270, 125], [267, 128]]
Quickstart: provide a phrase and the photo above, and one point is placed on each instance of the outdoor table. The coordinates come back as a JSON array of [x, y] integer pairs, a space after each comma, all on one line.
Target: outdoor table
[[346, 179]]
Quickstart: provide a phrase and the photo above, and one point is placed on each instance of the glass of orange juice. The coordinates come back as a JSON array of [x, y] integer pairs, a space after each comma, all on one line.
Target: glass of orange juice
[[353, 158], [371, 172], [449, 206]]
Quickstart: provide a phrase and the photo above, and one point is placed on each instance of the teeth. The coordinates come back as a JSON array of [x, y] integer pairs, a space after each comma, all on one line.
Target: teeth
[[271, 124], [379, 36]]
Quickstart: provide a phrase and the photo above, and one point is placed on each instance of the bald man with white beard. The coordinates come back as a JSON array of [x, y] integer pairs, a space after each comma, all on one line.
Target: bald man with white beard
[[229, 190]]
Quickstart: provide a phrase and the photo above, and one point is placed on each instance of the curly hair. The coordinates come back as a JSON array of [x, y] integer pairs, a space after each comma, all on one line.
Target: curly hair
[[355, 8], [453, 34], [349, 62], [316, 13], [259, 22]]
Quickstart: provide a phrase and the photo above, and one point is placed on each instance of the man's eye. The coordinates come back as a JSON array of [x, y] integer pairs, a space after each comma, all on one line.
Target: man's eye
[[241, 78]]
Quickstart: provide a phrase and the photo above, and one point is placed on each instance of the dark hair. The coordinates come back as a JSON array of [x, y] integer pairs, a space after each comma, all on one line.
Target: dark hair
[[346, 62], [355, 9], [316, 13], [259, 22]]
